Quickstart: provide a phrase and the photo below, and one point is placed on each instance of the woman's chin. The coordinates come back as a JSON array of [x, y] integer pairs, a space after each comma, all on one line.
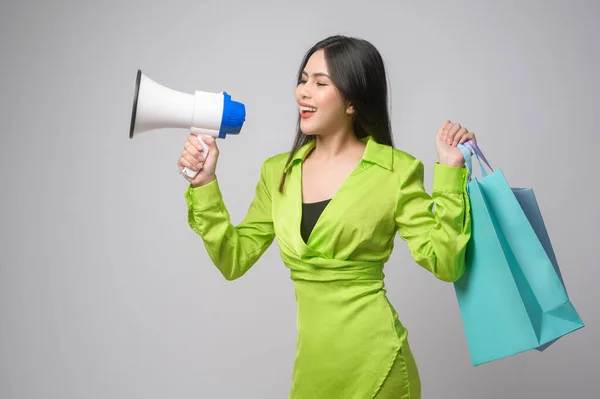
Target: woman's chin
[[311, 134], [308, 129]]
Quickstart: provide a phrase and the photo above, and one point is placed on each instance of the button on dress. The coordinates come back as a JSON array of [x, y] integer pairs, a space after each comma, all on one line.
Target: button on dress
[[350, 344]]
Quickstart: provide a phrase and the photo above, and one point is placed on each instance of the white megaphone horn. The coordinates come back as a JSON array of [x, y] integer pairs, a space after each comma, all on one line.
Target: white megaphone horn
[[203, 113]]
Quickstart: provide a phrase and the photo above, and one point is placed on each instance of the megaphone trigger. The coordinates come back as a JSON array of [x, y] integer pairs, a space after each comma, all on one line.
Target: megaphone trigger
[[190, 173], [204, 148]]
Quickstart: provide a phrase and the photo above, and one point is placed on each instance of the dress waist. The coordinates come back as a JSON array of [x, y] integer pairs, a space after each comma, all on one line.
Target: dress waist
[[320, 269]]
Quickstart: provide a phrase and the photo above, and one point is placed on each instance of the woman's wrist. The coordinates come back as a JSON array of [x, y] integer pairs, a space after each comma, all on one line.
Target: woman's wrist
[[204, 181], [457, 163]]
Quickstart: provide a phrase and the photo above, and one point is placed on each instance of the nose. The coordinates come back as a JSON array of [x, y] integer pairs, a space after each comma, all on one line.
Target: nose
[[303, 91]]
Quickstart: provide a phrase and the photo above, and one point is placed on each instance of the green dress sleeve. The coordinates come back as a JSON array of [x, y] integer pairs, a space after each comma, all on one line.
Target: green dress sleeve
[[233, 249], [437, 228]]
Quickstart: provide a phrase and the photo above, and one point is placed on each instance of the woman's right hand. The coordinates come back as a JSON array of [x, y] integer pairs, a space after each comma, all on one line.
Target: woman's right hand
[[192, 158]]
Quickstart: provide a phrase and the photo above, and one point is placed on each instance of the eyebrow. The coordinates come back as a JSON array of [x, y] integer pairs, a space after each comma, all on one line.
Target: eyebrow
[[317, 74]]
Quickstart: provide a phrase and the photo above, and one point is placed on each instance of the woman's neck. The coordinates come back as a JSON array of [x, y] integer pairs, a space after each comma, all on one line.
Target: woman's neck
[[338, 145]]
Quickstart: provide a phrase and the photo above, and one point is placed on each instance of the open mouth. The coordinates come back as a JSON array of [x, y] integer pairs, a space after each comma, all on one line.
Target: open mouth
[[307, 111]]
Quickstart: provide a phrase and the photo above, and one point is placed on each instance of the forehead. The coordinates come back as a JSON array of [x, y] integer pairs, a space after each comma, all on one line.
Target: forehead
[[316, 63]]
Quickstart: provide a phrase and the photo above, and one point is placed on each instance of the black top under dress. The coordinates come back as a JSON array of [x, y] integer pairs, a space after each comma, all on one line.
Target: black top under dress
[[310, 214]]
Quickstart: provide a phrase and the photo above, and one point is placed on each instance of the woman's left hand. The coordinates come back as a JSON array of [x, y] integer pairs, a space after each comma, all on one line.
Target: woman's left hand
[[448, 137]]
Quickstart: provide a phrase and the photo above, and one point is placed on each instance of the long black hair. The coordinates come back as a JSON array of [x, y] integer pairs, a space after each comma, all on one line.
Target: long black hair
[[357, 70]]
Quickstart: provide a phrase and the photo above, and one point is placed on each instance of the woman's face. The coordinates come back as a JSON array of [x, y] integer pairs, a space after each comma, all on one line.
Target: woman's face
[[322, 108]]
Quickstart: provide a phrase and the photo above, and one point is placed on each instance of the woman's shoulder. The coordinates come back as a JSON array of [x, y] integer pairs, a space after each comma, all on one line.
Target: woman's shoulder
[[404, 160], [273, 166], [393, 159], [276, 162]]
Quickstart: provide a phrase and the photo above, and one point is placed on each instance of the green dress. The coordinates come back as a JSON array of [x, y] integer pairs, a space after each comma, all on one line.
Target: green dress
[[351, 344]]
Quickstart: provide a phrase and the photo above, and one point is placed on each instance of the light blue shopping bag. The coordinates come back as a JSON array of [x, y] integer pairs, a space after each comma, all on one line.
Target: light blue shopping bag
[[512, 297]]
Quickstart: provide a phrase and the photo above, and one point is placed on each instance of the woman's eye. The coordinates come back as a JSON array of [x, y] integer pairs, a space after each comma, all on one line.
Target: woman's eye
[[321, 84]]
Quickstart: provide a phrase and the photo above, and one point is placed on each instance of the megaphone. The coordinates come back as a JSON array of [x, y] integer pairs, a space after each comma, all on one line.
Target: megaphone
[[203, 113]]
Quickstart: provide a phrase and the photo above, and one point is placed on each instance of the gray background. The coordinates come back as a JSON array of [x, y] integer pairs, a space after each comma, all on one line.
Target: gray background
[[105, 292]]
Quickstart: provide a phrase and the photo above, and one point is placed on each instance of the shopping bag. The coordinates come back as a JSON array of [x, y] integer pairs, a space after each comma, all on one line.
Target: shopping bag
[[512, 296], [528, 202]]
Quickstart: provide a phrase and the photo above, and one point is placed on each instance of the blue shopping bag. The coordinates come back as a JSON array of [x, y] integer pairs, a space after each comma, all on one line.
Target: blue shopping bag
[[512, 296]]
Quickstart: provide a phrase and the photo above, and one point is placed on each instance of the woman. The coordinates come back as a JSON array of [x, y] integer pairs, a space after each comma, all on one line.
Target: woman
[[335, 203]]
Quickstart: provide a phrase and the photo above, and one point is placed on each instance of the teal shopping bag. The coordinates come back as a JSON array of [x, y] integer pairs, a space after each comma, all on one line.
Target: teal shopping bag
[[512, 297], [528, 202]]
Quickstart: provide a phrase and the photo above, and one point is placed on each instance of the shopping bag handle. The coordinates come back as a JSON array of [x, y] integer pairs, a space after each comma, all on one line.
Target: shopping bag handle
[[469, 148]]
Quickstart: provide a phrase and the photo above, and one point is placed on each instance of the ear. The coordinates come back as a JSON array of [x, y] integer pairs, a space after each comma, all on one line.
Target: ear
[[350, 109]]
